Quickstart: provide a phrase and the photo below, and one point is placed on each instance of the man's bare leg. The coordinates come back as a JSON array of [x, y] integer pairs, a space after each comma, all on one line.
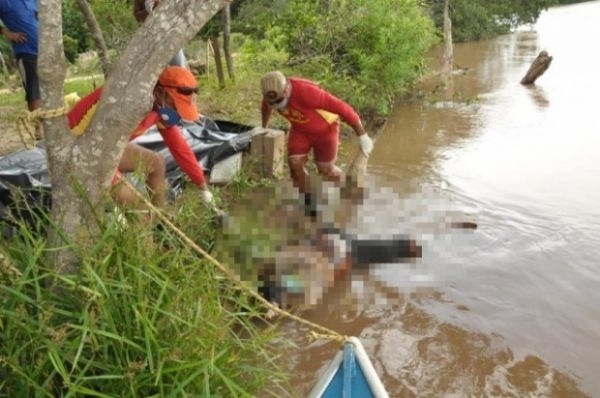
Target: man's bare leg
[[152, 165], [300, 177], [329, 171]]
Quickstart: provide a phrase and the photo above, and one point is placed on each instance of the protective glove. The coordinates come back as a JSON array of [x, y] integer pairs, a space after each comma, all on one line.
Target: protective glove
[[366, 144], [207, 198]]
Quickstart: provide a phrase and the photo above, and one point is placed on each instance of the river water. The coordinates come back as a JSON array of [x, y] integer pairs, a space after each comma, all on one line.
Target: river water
[[511, 308]]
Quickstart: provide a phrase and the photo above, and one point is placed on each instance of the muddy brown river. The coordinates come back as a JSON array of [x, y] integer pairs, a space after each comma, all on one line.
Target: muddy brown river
[[511, 309]]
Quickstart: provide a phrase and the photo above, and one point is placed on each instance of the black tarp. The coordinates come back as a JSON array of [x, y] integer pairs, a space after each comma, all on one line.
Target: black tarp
[[212, 141]]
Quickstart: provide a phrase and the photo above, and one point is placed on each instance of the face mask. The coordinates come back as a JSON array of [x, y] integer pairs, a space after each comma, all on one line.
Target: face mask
[[168, 116], [283, 104]]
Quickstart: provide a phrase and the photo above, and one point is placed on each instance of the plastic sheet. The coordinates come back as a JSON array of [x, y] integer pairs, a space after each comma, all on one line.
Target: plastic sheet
[[211, 140]]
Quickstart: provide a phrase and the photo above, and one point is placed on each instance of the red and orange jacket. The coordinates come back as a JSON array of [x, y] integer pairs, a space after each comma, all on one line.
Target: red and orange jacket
[[312, 110], [80, 115]]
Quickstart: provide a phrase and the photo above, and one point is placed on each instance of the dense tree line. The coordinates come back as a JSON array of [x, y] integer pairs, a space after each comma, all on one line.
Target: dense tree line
[[354, 47], [483, 19], [471, 19]]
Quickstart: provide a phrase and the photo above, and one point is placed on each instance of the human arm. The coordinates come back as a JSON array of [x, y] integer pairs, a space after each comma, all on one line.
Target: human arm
[[266, 112], [365, 142], [335, 105], [17, 37], [186, 159]]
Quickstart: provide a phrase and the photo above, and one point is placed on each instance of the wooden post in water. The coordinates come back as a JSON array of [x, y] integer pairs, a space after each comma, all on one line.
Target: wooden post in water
[[537, 68]]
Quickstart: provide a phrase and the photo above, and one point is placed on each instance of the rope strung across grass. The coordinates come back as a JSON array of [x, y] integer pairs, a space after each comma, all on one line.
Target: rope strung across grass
[[28, 122], [329, 333]]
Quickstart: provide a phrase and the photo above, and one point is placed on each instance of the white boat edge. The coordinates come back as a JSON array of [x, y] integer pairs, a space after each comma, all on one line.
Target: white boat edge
[[364, 362]]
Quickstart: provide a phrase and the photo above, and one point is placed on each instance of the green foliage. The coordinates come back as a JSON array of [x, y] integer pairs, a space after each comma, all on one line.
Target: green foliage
[[384, 46], [116, 21], [75, 31], [115, 18], [71, 48], [354, 48], [255, 17], [139, 320], [263, 54]]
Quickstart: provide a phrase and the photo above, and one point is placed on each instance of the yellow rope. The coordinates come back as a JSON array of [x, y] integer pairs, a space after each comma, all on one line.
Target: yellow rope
[[314, 336], [28, 121], [329, 333]]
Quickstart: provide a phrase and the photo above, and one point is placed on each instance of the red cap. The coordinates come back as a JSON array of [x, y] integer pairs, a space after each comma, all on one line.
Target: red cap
[[180, 83]]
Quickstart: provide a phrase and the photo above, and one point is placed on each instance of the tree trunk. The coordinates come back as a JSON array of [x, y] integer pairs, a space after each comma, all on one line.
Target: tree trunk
[[537, 68], [448, 57], [214, 42], [81, 168], [96, 32], [52, 72], [226, 18]]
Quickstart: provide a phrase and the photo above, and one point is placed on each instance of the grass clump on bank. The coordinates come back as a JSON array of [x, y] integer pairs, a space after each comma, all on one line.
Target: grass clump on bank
[[138, 320]]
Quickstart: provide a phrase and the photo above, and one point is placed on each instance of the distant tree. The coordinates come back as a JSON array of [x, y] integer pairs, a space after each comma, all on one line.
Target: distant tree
[[226, 26], [116, 22], [481, 19], [97, 35], [212, 32], [448, 57], [75, 30]]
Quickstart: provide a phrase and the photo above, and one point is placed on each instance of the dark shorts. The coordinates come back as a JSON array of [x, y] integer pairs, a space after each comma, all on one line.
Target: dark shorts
[[27, 65]]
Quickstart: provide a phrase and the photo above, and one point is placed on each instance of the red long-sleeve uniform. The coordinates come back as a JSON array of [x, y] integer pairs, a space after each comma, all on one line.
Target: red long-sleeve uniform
[[312, 110], [81, 113]]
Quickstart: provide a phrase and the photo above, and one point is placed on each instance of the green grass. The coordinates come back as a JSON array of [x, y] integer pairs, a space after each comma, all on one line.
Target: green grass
[[84, 86], [12, 98], [139, 320]]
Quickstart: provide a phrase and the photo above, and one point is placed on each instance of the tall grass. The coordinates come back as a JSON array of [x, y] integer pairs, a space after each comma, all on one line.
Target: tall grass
[[144, 317]]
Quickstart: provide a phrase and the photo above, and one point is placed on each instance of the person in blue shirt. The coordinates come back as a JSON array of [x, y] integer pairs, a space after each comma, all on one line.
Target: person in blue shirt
[[20, 19]]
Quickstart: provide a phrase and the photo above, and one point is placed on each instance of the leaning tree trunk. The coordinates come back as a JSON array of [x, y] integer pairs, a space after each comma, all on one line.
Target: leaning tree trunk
[[81, 168], [537, 68], [226, 22], [97, 35]]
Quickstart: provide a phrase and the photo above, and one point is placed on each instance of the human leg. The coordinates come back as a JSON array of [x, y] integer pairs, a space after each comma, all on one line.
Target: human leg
[[325, 148], [27, 65], [329, 171], [298, 148], [151, 164], [298, 172]]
